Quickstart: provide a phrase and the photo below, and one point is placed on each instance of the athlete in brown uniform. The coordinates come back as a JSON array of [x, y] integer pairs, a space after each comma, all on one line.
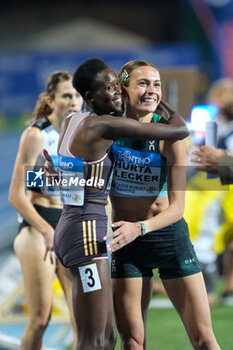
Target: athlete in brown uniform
[[84, 144]]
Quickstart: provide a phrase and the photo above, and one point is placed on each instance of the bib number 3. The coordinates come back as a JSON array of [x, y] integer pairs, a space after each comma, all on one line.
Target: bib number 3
[[90, 278]]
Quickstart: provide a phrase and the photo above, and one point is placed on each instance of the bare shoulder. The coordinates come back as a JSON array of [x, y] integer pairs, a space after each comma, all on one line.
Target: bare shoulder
[[174, 151], [109, 126], [31, 143], [96, 126], [32, 135], [95, 120]]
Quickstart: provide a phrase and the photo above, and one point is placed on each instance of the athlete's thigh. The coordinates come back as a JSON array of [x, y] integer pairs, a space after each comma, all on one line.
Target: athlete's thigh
[[147, 289], [92, 295], [37, 272], [127, 298], [65, 279], [188, 295]]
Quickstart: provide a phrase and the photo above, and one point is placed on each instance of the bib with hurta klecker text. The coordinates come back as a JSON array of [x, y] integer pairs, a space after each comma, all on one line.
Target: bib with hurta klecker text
[[136, 173]]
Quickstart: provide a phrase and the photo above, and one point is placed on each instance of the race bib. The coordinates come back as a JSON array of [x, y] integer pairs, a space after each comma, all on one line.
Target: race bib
[[71, 180], [90, 278], [135, 173]]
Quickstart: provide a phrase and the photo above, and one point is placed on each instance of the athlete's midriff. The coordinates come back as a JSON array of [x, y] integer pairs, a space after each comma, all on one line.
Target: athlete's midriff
[[135, 209], [45, 201]]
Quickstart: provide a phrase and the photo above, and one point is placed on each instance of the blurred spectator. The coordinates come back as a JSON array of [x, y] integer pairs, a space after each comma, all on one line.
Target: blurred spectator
[[225, 127], [220, 93], [217, 161], [209, 220]]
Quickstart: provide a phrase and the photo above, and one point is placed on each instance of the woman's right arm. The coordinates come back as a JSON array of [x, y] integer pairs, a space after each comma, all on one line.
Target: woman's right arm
[[31, 145], [112, 128]]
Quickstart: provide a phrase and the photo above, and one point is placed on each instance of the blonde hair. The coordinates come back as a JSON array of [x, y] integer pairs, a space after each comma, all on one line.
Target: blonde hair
[[42, 109], [126, 71]]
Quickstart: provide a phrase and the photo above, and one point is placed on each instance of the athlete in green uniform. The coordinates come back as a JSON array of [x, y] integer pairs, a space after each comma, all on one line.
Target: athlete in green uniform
[[144, 214]]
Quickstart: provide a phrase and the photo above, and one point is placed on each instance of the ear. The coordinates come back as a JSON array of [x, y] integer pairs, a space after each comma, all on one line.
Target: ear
[[88, 96], [49, 101]]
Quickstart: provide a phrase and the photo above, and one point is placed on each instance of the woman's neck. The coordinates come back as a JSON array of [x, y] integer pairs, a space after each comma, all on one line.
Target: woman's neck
[[55, 121], [143, 117], [148, 118]]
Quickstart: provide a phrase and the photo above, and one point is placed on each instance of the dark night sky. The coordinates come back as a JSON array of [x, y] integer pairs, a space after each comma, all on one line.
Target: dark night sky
[[159, 20]]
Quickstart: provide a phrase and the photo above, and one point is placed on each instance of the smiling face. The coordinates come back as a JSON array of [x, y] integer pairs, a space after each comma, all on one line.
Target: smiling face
[[106, 93], [143, 92], [66, 99]]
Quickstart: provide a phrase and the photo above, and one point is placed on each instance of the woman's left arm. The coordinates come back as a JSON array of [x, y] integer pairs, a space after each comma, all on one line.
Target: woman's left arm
[[175, 153]]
